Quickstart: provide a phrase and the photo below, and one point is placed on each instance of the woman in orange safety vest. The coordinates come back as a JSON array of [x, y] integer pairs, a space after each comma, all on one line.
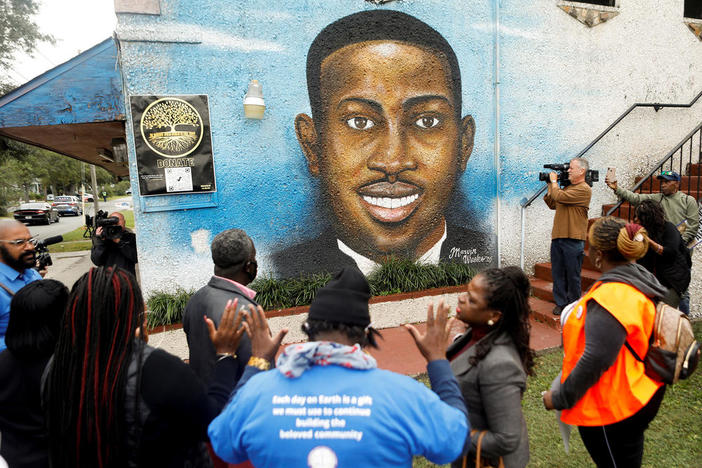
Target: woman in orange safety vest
[[604, 389]]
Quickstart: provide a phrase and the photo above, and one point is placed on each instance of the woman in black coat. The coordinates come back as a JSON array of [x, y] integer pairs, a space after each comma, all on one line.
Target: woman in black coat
[[491, 362], [113, 401], [35, 315], [667, 257]]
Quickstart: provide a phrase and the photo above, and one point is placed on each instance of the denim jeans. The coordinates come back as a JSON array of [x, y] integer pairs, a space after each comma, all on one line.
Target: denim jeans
[[684, 305], [566, 263]]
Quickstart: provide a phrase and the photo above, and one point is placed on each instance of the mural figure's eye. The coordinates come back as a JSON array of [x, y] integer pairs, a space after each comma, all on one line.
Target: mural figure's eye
[[360, 123], [427, 121]]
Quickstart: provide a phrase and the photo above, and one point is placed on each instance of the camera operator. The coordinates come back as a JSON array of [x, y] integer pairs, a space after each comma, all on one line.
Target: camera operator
[[17, 261], [569, 231], [115, 245]]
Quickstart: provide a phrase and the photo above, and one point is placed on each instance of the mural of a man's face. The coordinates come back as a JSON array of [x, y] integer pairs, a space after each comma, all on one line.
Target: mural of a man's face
[[389, 146]]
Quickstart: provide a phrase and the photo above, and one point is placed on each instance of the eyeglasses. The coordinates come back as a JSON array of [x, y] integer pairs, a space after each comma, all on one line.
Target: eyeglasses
[[667, 173], [21, 242]]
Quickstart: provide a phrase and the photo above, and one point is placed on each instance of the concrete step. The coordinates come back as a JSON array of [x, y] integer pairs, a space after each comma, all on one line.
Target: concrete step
[[588, 276], [686, 182], [695, 191], [542, 289], [587, 263], [625, 211], [694, 169], [542, 312]]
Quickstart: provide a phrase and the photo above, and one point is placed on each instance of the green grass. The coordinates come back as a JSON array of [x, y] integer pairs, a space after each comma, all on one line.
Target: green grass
[[128, 218], [75, 246], [673, 439]]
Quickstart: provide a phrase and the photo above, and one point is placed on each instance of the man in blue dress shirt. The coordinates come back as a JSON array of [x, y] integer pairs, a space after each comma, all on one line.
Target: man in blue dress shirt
[[17, 261]]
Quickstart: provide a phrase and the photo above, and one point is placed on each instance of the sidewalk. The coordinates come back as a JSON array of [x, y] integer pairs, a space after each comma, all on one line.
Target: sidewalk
[[397, 352], [69, 266]]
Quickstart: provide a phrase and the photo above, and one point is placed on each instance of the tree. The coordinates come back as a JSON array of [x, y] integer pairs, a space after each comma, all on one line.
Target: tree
[[180, 122], [18, 33]]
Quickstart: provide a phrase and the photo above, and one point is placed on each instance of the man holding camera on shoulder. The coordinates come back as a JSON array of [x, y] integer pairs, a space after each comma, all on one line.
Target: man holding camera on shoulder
[[114, 245], [569, 231]]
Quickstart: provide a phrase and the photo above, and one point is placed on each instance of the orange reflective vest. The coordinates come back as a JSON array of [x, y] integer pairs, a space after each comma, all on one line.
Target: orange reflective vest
[[624, 388]]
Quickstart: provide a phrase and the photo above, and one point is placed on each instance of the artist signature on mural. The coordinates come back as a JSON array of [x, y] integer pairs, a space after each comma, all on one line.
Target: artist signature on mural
[[468, 255]]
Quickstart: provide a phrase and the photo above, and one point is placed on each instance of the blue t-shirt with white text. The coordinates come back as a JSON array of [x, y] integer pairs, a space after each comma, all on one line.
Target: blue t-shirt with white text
[[332, 415]]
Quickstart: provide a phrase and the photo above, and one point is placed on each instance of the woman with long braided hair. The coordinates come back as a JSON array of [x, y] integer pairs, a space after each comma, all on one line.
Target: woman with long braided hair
[[491, 362], [35, 318], [114, 401], [603, 388]]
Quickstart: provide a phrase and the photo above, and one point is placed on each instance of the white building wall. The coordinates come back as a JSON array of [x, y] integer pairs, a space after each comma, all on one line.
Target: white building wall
[[577, 81]]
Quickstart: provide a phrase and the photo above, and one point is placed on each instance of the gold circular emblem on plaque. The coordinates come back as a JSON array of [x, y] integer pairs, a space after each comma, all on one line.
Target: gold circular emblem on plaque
[[171, 127]]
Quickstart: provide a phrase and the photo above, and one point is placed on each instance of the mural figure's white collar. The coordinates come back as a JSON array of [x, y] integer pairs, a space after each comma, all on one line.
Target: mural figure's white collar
[[366, 265]]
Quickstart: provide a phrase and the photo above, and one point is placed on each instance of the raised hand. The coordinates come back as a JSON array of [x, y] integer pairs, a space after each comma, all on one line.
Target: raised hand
[[263, 344], [227, 337], [611, 183], [433, 343]]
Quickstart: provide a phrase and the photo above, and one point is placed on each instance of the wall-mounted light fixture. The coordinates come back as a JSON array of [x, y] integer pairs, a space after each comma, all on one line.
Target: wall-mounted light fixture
[[254, 106]]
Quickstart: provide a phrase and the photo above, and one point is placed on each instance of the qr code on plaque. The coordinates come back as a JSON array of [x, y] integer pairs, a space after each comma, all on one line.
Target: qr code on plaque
[[179, 179]]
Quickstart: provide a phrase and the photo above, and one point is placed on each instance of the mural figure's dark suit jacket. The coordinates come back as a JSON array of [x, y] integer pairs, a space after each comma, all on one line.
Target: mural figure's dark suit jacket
[[210, 300], [493, 392], [322, 254]]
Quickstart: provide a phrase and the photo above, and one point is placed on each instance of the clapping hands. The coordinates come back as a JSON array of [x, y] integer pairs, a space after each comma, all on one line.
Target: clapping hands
[[226, 338], [433, 343], [263, 344]]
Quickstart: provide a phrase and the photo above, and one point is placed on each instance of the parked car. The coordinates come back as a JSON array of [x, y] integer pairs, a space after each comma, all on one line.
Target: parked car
[[38, 212], [88, 197], [67, 204], [50, 197]]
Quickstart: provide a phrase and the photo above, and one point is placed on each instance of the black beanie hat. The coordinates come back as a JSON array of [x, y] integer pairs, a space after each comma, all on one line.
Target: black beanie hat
[[344, 299]]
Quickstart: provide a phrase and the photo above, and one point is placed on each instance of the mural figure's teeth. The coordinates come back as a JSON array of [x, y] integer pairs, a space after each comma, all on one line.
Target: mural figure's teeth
[[391, 203]]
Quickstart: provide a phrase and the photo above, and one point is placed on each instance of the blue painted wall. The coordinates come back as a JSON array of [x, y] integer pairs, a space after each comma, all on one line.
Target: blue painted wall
[[561, 84], [263, 182]]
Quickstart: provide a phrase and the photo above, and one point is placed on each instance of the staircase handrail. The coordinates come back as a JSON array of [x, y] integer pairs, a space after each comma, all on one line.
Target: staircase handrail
[[657, 167], [656, 107], [525, 203]]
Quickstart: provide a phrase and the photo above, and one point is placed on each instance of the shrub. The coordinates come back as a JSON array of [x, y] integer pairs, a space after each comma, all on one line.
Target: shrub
[[394, 276], [166, 308]]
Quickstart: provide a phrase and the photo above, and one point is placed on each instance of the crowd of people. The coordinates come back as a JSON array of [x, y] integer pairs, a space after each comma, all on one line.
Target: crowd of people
[[81, 386]]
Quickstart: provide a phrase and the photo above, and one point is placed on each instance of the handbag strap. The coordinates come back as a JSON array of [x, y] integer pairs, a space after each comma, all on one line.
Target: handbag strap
[[478, 450], [9, 291]]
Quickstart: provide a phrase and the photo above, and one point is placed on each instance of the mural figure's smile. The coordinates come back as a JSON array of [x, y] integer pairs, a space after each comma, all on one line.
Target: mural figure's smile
[[390, 202]]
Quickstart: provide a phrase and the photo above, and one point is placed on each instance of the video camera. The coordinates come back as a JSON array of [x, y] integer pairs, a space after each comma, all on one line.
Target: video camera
[[109, 224], [42, 252], [562, 172]]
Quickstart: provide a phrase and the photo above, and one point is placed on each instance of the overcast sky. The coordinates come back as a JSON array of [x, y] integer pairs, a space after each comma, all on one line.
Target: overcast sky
[[77, 25]]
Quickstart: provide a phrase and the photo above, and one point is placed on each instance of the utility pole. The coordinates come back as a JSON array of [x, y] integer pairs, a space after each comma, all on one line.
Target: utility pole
[[93, 180]]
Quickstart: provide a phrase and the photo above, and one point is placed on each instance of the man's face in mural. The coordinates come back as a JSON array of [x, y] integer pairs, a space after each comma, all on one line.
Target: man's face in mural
[[389, 147]]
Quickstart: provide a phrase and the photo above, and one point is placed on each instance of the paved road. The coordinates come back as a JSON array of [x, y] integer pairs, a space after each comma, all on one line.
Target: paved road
[[69, 223]]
